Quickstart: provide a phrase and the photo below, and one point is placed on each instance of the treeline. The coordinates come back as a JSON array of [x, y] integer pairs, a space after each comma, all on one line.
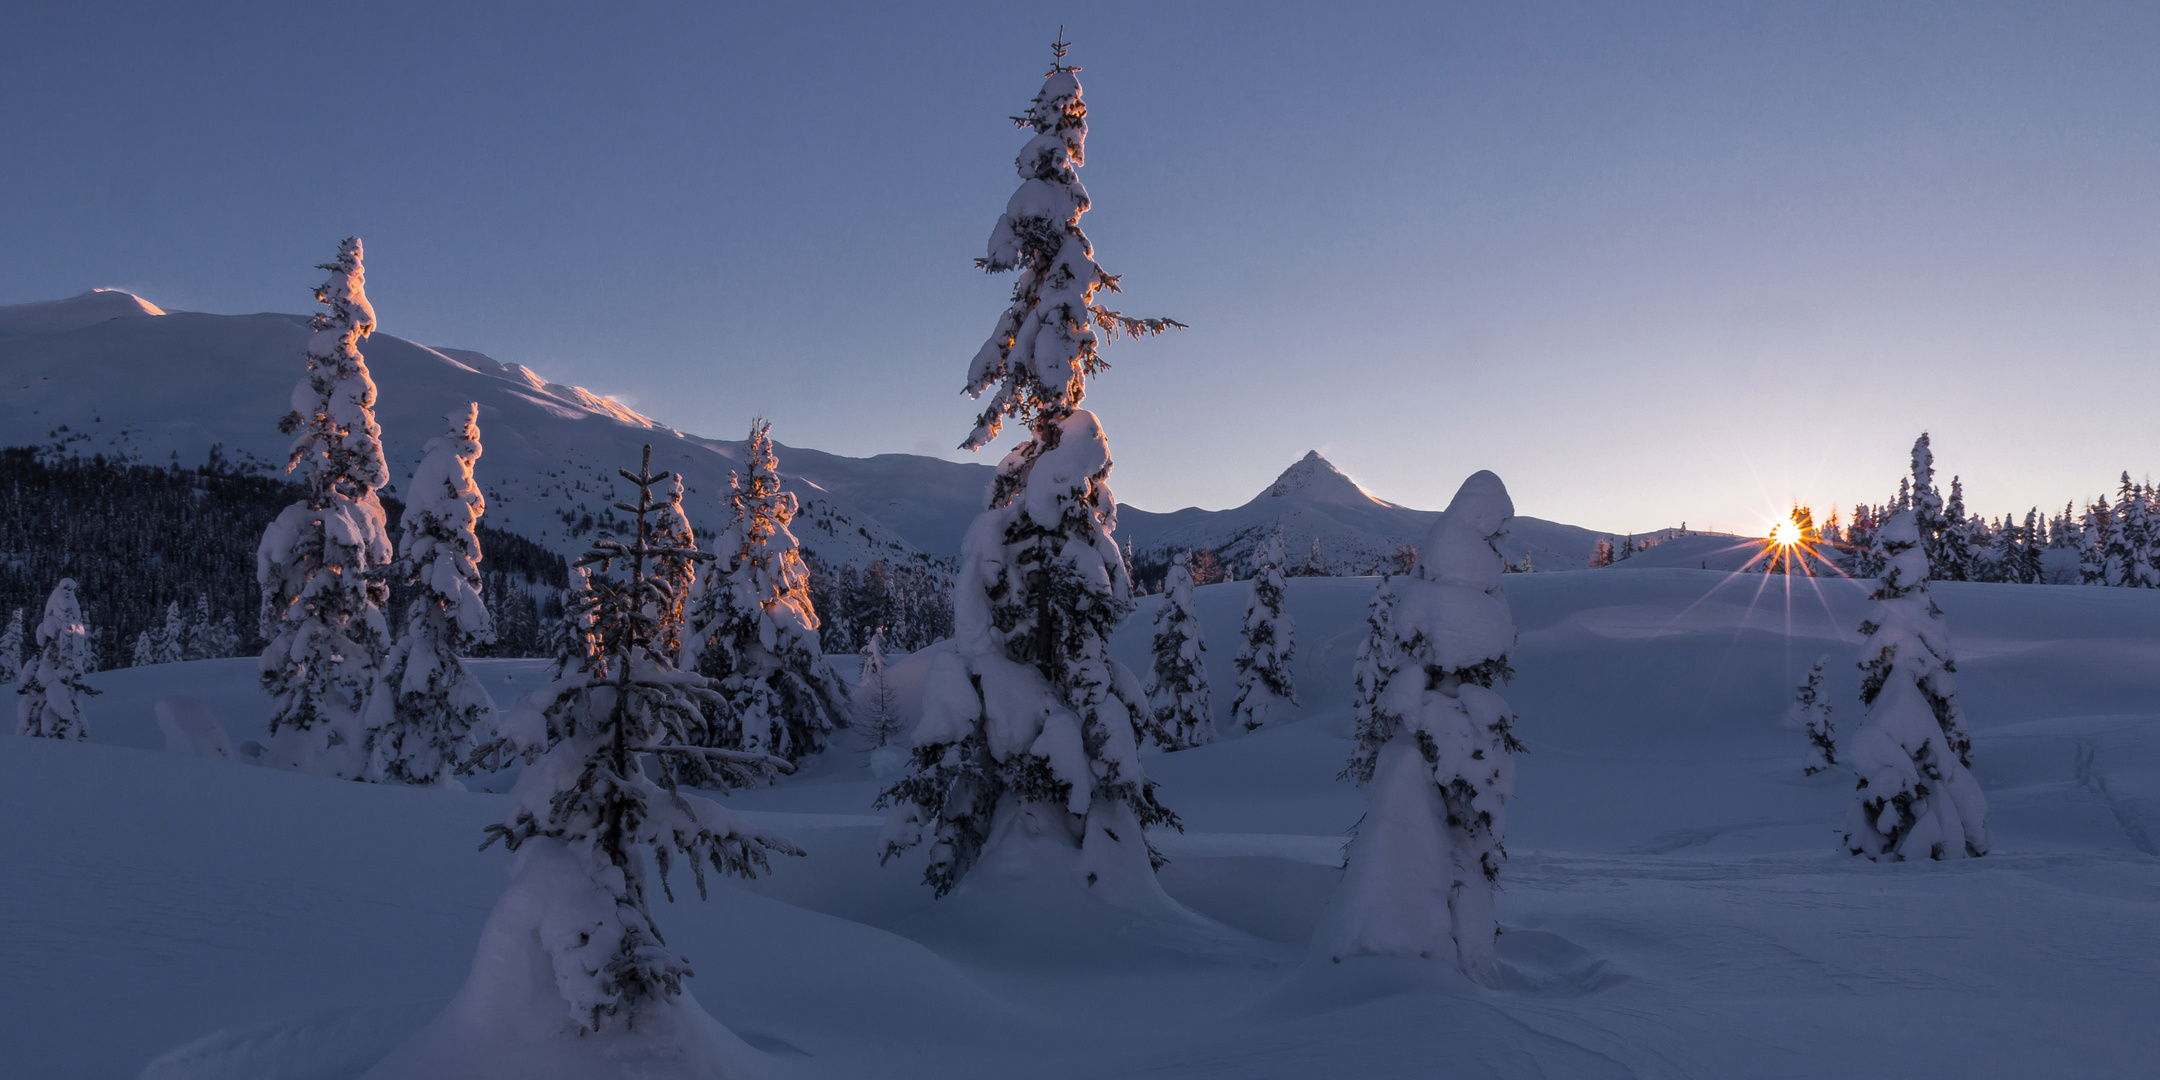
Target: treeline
[[140, 539], [911, 603]]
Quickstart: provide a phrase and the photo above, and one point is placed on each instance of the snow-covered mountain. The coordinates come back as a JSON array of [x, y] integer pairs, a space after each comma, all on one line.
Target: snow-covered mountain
[[107, 372], [1356, 532]]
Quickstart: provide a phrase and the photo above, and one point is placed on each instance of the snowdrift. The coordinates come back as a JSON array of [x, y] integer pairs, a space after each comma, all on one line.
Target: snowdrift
[[1673, 904]]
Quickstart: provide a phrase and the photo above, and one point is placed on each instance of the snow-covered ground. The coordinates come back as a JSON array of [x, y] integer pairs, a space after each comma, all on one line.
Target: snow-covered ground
[[1674, 904]]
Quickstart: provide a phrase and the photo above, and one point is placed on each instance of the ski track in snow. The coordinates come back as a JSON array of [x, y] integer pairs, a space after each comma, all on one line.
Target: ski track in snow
[[1674, 904]]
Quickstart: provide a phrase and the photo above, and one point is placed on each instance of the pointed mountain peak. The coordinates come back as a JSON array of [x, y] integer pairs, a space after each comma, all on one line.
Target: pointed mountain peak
[[1314, 479]]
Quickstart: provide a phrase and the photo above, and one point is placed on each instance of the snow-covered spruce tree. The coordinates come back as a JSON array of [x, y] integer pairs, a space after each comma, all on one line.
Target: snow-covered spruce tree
[[11, 650], [320, 562], [1030, 734], [2092, 546], [425, 705], [1912, 755], [1268, 644], [877, 703], [1958, 553], [752, 628], [145, 650], [2031, 544], [52, 682], [586, 810], [1377, 661], [1180, 716], [1926, 502], [1436, 754], [1811, 714]]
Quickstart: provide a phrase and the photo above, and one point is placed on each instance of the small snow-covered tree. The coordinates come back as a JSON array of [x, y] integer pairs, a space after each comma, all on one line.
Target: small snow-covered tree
[[1436, 753], [321, 560], [1268, 645], [753, 629], [425, 705], [877, 703], [586, 812], [676, 532], [1377, 661], [1811, 714], [1030, 732], [2092, 546], [52, 682], [11, 649], [1180, 716], [145, 650], [171, 644], [1912, 755]]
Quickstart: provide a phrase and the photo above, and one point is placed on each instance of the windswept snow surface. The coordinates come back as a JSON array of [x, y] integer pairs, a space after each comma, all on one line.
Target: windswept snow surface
[[1674, 906]]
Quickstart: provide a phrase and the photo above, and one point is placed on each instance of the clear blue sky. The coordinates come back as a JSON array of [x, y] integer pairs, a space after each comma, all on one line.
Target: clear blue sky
[[1650, 262]]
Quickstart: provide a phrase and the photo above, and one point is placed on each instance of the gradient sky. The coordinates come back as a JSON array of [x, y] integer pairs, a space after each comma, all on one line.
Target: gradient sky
[[1649, 262]]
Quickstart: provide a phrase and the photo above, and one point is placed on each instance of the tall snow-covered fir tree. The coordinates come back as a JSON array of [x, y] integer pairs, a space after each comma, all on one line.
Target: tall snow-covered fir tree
[[1180, 716], [1267, 644], [753, 630], [1030, 734], [1912, 755], [52, 682], [586, 812], [1436, 754], [2031, 544], [425, 706], [2092, 547], [320, 563], [1811, 714], [11, 649]]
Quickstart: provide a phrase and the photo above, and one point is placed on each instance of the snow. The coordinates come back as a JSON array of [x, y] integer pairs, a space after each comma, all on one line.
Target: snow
[[1675, 902]]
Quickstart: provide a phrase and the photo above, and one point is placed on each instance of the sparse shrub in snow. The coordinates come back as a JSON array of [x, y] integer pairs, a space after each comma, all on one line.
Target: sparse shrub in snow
[[1268, 644], [1030, 732], [753, 629], [1435, 751], [586, 811], [11, 649], [1912, 755], [877, 704], [320, 562], [1811, 714], [1180, 715], [425, 705], [52, 682]]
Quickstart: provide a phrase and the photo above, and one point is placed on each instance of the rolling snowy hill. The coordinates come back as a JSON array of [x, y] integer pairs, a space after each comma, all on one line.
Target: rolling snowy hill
[[109, 373], [1674, 905]]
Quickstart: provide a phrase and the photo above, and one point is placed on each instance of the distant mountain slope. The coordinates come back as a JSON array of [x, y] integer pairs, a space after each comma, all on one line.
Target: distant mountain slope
[[109, 373], [105, 373], [1356, 532]]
